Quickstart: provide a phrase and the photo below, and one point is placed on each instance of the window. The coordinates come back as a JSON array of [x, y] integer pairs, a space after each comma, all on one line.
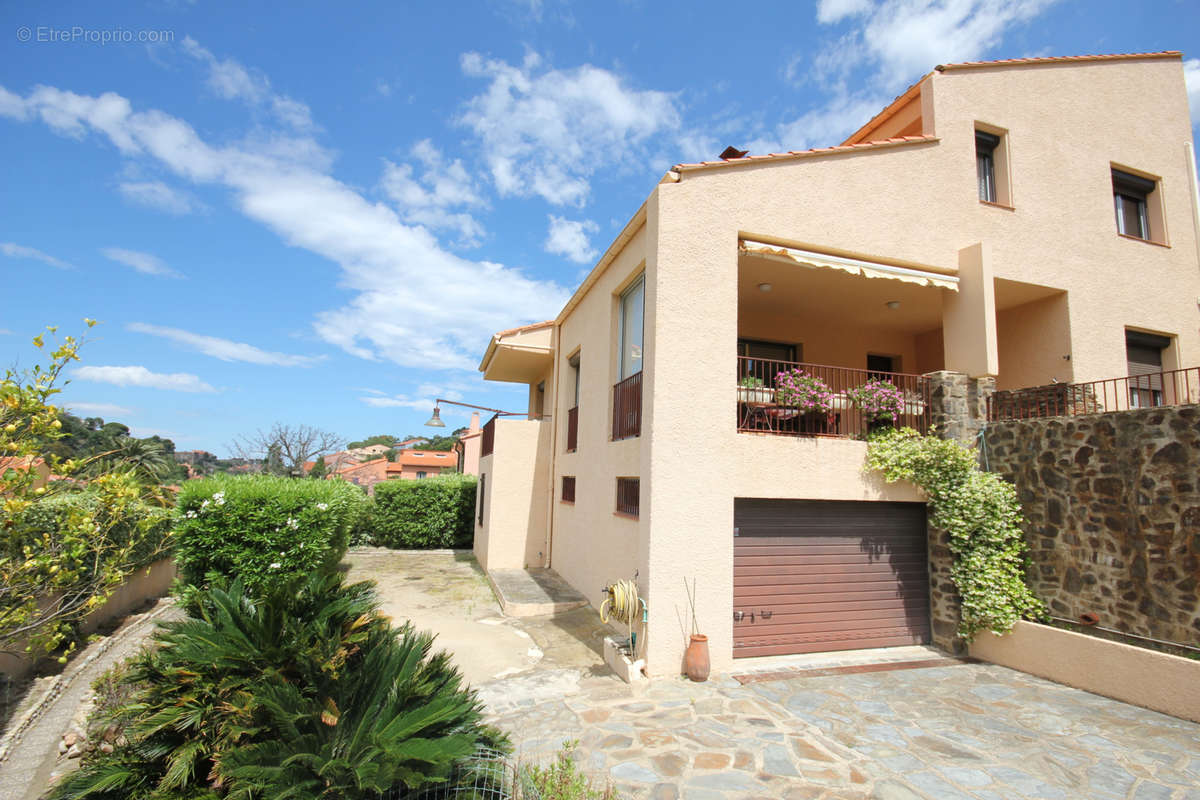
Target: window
[[1144, 356], [633, 306], [877, 364], [985, 165], [482, 492], [573, 362], [628, 496], [762, 360], [1130, 194], [568, 489], [420, 475]]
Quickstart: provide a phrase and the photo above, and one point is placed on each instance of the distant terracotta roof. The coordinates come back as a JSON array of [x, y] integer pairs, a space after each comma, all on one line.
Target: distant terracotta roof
[[308, 465], [816, 151], [426, 458], [354, 467], [1004, 62]]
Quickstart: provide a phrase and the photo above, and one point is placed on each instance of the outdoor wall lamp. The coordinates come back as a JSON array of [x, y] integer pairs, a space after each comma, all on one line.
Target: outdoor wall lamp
[[436, 420]]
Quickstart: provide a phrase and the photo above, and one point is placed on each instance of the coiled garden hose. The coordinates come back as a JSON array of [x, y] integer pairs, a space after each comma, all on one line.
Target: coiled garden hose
[[622, 605]]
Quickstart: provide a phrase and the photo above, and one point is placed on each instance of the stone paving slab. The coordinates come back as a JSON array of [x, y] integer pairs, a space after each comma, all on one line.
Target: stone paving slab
[[533, 592], [976, 731]]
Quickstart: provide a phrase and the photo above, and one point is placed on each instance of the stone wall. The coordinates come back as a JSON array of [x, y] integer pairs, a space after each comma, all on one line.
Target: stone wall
[[1112, 504]]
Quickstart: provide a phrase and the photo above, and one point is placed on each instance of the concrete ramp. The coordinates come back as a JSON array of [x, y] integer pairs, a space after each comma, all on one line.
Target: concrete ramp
[[533, 592]]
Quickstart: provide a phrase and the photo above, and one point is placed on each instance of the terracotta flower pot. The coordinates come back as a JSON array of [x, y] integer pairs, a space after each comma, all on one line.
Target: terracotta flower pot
[[695, 660]]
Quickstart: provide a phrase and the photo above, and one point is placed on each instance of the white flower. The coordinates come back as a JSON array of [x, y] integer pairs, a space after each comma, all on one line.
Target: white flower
[[323, 506], [203, 506], [293, 523], [219, 498], [275, 565], [190, 515]]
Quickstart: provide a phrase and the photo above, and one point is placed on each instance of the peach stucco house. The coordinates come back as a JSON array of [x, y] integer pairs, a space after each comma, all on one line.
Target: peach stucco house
[[1031, 222]]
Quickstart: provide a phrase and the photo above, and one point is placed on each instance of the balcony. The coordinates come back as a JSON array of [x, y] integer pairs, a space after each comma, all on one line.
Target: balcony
[[487, 440], [763, 408], [1151, 390], [627, 408]]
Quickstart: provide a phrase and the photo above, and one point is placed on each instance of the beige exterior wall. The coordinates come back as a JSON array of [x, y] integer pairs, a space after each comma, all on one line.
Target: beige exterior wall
[[1145, 678], [915, 202], [592, 545], [512, 535]]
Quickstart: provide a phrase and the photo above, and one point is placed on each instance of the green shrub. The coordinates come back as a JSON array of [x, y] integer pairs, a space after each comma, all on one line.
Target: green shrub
[[305, 692], [263, 529], [980, 513], [561, 780], [430, 513]]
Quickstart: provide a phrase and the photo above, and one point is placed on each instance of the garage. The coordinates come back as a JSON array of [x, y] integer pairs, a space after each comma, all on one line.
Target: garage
[[812, 576]]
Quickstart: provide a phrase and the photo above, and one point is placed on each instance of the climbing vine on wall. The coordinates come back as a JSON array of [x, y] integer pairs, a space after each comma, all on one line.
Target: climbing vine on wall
[[980, 513]]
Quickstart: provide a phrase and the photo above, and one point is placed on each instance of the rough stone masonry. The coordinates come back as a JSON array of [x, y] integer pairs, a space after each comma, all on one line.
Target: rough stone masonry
[[1112, 508]]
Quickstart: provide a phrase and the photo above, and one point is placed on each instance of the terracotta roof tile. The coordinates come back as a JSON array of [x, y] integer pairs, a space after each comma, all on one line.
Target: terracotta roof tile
[[1058, 59], [532, 327], [816, 151]]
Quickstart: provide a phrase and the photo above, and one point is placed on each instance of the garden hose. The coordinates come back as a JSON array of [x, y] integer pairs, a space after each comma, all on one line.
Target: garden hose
[[622, 605]]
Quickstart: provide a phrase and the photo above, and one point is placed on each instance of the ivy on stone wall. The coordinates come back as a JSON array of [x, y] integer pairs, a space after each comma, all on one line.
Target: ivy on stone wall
[[980, 513]]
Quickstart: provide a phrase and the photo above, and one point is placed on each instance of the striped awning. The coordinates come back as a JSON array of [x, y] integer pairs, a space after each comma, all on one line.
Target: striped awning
[[852, 266]]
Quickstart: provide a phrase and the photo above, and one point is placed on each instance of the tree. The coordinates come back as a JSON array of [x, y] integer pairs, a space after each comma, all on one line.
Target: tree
[[285, 447], [51, 577], [383, 438], [319, 470]]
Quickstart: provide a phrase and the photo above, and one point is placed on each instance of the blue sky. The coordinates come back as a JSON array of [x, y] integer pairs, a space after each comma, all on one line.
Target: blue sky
[[316, 213]]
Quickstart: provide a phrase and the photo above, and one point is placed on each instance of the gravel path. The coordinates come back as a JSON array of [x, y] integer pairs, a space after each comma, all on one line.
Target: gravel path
[[29, 747]]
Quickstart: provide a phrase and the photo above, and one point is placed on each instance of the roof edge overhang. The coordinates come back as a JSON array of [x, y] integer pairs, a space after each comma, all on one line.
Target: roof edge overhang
[[1050, 60], [888, 111], [836, 150], [498, 337]]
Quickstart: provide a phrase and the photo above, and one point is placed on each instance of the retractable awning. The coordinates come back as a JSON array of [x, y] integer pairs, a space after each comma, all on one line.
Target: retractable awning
[[853, 266]]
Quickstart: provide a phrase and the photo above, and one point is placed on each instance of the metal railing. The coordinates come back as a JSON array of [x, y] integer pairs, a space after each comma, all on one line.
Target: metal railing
[[1169, 388], [629, 496], [627, 407], [572, 429], [487, 439], [759, 409]]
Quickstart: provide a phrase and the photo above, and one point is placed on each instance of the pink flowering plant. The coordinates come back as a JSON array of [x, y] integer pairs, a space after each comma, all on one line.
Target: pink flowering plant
[[806, 392], [878, 400]]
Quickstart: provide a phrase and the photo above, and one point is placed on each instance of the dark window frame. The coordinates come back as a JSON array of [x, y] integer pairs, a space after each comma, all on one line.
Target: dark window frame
[[629, 497], [1131, 195], [567, 494], [985, 165], [482, 495]]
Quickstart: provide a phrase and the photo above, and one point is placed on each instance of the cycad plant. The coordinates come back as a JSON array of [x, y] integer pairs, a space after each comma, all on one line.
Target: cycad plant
[[306, 692]]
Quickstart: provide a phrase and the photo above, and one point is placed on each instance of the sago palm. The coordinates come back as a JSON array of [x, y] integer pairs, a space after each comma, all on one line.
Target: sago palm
[[246, 698]]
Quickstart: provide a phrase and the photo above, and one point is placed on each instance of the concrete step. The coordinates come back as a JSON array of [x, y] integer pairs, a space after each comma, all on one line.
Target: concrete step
[[533, 592]]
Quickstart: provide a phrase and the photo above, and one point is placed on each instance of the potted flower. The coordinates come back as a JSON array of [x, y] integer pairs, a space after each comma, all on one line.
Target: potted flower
[[880, 402], [804, 392], [752, 390]]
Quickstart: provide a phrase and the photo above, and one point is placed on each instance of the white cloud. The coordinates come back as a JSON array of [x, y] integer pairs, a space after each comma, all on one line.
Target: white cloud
[[233, 81], [98, 409], [399, 401], [157, 195], [1191, 75], [428, 199], [140, 376], [831, 11], [414, 303], [144, 263], [821, 127], [545, 132], [570, 238], [32, 253], [224, 349]]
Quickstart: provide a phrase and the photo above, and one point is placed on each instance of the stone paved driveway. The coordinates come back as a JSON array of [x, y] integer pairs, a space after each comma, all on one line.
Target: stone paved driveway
[[963, 731]]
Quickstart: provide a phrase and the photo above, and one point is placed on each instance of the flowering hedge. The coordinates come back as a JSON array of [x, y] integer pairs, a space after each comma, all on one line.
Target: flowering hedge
[[878, 400], [263, 529], [806, 392], [980, 513]]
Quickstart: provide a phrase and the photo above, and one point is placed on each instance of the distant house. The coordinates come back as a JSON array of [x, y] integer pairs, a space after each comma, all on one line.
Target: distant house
[[409, 444], [418, 464], [468, 447], [22, 464], [366, 474]]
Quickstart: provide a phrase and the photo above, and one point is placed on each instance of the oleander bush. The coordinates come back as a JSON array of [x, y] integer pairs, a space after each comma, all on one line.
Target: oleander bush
[[305, 691], [430, 513], [263, 529]]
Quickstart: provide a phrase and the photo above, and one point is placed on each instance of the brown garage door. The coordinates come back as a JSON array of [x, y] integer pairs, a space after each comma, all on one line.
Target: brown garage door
[[813, 575]]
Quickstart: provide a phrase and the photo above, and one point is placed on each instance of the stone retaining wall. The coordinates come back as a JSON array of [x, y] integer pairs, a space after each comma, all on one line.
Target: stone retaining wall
[[1112, 504]]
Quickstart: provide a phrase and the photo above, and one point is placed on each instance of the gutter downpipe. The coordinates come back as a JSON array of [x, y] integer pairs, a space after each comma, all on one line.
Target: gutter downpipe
[[554, 353], [1190, 152]]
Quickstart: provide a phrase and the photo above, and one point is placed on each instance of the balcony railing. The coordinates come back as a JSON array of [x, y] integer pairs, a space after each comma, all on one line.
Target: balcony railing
[[759, 409], [1171, 388], [487, 440], [572, 429], [627, 408]]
